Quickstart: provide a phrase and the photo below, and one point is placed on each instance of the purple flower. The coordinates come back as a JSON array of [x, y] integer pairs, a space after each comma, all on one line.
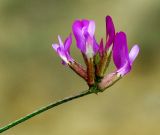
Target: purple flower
[[63, 50], [84, 33], [110, 34], [110, 31], [122, 58]]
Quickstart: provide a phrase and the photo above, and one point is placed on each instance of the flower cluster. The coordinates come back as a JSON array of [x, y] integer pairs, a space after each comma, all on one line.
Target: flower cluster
[[97, 56]]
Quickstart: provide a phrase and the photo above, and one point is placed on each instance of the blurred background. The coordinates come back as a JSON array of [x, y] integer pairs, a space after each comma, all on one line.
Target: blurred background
[[31, 74]]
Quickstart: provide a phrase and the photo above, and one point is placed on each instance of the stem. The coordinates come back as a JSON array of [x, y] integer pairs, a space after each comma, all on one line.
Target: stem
[[43, 109]]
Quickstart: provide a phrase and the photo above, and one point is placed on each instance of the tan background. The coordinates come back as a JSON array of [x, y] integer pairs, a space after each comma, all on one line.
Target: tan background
[[31, 74]]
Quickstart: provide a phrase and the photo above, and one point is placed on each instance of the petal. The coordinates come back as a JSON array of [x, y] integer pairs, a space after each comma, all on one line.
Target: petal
[[120, 50], [95, 45], [68, 43], [84, 23], [55, 47], [91, 28], [91, 46], [110, 31], [77, 31], [60, 41], [62, 54], [125, 69], [133, 53], [69, 58]]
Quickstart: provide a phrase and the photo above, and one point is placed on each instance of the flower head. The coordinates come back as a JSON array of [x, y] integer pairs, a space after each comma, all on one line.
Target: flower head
[[97, 57], [84, 33], [122, 58], [63, 50]]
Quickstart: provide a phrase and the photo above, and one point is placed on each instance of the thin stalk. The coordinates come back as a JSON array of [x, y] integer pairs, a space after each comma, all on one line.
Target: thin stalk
[[43, 109]]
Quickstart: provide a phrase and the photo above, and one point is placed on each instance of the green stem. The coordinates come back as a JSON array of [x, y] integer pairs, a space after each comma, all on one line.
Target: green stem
[[43, 109]]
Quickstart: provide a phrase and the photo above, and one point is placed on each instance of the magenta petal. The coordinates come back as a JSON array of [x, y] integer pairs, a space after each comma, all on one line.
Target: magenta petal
[[84, 23], [133, 53], [122, 58], [110, 31], [120, 50], [62, 54], [68, 43], [77, 31], [95, 46]]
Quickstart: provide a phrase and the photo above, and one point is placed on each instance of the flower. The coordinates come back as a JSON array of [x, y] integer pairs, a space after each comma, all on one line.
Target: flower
[[105, 52], [63, 50], [110, 34], [84, 33], [123, 60], [97, 57]]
